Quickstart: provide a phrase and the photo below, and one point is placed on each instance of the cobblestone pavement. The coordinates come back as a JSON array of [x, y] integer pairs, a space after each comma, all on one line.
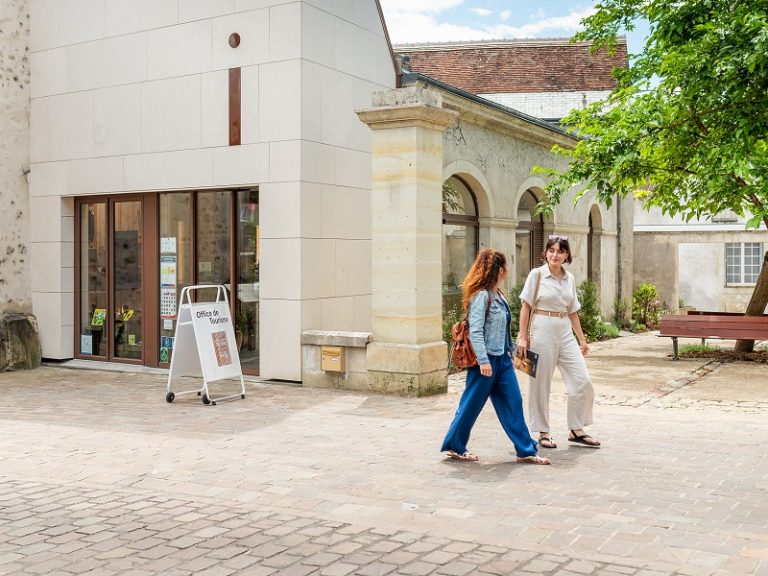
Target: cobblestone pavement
[[100, 476]]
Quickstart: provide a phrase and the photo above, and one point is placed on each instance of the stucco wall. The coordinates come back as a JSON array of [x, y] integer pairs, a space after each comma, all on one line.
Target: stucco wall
[[14, 157], [691, 266]]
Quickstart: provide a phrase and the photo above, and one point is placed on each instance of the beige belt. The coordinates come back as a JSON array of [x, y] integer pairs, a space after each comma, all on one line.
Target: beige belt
[[550, 314]]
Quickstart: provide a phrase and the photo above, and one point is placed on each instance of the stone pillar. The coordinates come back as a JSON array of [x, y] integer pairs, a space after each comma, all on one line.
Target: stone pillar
[[502, 236], [625, 240], [407, 355]]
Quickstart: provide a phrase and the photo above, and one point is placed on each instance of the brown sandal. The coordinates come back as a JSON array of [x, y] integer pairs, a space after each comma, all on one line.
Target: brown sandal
[[547, 442], [466, 457], [584, 440], [533, 459]]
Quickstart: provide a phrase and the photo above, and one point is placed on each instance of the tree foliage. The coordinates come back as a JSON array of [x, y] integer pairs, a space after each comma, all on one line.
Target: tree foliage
[[686, 128]]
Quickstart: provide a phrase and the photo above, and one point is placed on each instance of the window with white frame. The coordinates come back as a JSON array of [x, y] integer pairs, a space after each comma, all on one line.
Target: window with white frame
[[742, 262]]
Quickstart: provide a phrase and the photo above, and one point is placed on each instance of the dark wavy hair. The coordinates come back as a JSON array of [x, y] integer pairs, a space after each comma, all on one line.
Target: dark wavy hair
[[484, 273], [563, 242]]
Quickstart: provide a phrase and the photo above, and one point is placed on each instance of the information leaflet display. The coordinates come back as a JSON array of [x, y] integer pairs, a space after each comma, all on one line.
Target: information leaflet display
[[204, 344]]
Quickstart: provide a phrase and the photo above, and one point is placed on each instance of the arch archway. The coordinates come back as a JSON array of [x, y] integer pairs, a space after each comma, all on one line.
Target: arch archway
[[460, 240], [529, 241]]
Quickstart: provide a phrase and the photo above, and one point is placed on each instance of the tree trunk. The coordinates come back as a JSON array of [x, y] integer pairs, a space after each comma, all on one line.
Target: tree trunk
[[757, 304]]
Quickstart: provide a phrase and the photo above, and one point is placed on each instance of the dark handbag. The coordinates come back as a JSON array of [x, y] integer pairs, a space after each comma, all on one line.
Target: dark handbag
[[462, 355]]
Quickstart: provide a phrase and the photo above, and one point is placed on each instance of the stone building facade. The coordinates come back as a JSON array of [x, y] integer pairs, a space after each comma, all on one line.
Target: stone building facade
[[539, 80], [14, 157], [151, 122], [264, 146]]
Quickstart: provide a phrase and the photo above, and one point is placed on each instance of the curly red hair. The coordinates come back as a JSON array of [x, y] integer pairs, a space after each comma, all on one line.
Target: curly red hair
[[483, 275]]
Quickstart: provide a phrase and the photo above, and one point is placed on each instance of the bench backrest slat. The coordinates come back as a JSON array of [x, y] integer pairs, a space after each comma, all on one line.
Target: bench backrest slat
[[715, 326], [705, 313]]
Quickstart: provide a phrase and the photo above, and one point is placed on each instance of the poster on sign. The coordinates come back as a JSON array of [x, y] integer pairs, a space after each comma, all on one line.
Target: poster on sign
[[215, 336]]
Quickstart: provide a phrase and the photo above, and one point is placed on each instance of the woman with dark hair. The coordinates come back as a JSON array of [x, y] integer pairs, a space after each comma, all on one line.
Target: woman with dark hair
[[548, 320], [489, 318]]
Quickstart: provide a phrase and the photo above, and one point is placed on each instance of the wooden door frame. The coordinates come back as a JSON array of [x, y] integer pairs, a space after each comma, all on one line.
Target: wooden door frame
[[149, 273]]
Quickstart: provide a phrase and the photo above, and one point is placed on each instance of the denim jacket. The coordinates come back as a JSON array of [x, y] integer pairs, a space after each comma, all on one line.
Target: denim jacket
[[491, 335]]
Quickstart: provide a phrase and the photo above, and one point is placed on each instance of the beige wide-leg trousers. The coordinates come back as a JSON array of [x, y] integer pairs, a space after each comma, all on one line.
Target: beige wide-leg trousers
[[552, 338]]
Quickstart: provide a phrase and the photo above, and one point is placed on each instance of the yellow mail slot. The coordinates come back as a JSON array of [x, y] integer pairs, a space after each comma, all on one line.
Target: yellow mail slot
[[332, 358]]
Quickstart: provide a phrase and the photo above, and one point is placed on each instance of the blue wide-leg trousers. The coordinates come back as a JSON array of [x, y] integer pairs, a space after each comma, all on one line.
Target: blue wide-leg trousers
[[504, 391]]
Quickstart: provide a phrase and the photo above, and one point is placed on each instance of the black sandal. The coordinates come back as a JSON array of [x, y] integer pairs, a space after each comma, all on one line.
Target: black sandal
[[584, 440], [550, 443]]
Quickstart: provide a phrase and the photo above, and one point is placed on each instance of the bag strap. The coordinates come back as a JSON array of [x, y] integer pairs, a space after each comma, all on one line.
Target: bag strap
[[535, 300]]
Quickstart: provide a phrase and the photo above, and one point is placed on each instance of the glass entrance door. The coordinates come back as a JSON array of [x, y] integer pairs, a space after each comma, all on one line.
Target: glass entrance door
[[110, 306], [247, 301], [127, 293], [93, 252]]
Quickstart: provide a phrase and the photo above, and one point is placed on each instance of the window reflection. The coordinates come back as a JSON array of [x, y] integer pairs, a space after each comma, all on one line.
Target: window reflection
[[247, 304], [460, 225], [127, 280], [175, 263], [93, 278]]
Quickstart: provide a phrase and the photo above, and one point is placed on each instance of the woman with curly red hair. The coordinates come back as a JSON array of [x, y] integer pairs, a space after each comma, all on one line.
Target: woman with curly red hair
[[489, 317]]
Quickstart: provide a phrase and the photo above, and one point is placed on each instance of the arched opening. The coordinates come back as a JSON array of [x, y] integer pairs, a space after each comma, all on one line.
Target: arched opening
[[460, 239], [529, 241]]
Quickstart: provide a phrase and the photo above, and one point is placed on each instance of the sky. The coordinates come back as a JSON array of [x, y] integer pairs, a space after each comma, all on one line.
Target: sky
[[420, 21]]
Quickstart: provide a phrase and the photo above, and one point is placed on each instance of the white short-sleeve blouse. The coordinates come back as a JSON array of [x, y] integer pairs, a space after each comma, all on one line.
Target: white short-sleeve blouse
[[554, 295]]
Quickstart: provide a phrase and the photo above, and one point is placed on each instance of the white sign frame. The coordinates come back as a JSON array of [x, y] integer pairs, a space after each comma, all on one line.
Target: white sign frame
[[204, 344]]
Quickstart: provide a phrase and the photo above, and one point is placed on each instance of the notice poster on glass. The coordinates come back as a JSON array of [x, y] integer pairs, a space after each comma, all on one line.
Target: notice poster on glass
[[167, 245], [167, 271], [168, 304], [86, 344], [166, 347]]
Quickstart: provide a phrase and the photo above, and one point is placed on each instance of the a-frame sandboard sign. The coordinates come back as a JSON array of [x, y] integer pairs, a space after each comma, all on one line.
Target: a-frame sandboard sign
[[204, 344]]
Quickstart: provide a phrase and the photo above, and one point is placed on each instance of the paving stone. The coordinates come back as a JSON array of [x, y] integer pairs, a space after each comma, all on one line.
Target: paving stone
[[321, 559], [298, 570], [456, 568], [376, 569], [439, 557], [581, 567], [384, 546], [281, 560], [417, 568], [338, 569]]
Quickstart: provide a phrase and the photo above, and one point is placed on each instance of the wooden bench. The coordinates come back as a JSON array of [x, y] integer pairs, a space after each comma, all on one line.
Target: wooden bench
[[707, 313], [727, 326]]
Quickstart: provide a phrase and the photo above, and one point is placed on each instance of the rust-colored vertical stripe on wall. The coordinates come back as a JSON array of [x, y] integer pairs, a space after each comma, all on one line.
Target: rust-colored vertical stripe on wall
[[234, 106]]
